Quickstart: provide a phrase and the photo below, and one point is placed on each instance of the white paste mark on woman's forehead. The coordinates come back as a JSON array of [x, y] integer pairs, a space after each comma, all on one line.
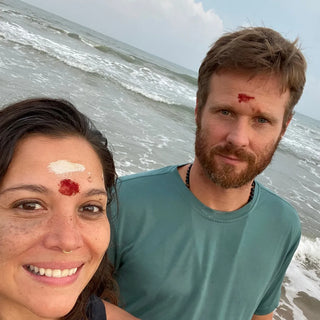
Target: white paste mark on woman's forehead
[[65, 166]]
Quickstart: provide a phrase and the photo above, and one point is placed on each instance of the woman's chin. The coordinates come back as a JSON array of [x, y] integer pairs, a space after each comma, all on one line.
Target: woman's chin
[[55, 311]]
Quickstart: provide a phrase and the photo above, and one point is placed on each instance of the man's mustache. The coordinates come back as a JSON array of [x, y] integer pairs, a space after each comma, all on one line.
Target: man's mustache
[[231, 150]]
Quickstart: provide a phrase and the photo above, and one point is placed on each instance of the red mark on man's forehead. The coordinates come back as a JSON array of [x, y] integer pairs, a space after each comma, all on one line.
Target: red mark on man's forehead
[[242, 97], [68, 187]]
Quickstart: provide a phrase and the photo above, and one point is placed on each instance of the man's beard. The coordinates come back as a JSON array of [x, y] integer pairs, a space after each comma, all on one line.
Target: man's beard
[[224, 174]]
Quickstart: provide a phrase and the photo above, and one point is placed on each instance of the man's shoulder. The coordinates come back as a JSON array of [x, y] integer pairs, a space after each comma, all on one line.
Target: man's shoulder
[[136, 192], [278, 200], [146, 176], [278, 206]]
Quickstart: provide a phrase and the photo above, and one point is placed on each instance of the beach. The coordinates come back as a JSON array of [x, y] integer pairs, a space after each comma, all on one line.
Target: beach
[[145, 106]]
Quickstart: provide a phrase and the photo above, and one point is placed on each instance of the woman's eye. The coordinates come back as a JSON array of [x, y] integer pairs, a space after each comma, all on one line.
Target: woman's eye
[[28, 205], [91, 208]]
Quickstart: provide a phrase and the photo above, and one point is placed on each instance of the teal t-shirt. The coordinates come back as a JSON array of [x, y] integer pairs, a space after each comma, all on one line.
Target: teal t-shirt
[[175, 258]]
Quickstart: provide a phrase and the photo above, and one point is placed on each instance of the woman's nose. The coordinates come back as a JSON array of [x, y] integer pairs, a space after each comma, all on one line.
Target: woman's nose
[[63, 233]]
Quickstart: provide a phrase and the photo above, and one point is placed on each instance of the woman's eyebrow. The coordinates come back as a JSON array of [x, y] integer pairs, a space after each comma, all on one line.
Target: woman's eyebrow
[[29, 187], [94, 192], [43, 189]]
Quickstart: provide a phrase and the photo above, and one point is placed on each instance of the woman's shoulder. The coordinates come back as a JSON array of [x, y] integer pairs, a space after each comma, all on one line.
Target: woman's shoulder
[[116, 313]]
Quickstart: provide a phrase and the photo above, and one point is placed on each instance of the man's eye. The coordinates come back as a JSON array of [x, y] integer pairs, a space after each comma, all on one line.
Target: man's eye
[[90, 208], [225, 112], [262, 120], [28, 205]]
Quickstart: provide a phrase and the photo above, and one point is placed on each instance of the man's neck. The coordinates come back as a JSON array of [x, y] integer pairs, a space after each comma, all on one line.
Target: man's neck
[[213, 195]]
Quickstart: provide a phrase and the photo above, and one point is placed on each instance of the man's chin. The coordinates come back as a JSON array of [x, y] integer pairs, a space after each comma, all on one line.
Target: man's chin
[[231, 180], [232, 184]]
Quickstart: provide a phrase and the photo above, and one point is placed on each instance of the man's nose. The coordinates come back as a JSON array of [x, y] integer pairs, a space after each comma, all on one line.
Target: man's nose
[[239, 134]]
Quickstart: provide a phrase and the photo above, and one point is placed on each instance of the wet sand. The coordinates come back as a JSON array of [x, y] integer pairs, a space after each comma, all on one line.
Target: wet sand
[[309, 305]]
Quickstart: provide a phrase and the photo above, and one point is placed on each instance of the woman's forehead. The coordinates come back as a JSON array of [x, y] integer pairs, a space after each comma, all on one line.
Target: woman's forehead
[[38, 156]]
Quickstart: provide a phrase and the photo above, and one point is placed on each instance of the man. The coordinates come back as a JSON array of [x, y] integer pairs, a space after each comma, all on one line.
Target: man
[[205, 241]]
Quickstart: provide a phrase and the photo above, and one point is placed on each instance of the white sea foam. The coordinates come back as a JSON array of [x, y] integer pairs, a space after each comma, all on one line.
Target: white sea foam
[[303, 140], [302, 276], [142, 80], [308, 252], [305, 267]]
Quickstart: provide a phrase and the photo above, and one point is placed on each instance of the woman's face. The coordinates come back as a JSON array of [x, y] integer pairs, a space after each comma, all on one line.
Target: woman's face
[[52, 201]]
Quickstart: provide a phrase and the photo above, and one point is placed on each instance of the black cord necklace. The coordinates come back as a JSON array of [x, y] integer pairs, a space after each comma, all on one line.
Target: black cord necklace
[[187, 183]]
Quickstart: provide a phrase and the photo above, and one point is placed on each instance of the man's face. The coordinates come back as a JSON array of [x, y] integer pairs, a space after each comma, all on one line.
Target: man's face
[[240, 127]]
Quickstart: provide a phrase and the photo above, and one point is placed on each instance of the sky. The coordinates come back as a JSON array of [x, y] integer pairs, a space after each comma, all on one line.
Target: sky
[[181, 31]]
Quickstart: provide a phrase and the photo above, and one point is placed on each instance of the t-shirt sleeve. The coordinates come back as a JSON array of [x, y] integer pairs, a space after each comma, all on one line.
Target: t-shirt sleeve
[[271, 298], [95, 309]]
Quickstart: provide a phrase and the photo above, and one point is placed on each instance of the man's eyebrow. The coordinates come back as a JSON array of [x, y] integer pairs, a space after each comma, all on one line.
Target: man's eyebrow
[[220, 106], [28, 187], [267, 115], [263, 114]]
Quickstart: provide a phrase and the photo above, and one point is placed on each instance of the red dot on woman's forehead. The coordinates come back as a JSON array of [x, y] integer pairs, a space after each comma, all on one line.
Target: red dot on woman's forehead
[[68, 187]]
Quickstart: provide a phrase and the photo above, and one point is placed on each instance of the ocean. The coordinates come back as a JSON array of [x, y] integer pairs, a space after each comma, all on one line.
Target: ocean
[[145, 106]]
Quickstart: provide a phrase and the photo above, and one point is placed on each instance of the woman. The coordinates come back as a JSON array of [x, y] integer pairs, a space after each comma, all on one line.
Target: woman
[[56, 177]]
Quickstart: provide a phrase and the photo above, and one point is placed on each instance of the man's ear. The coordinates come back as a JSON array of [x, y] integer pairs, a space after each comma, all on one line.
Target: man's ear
[[196, 112], [284, 129]]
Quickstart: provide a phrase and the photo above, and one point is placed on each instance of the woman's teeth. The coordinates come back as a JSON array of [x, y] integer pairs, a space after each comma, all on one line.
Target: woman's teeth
[[54, 273]]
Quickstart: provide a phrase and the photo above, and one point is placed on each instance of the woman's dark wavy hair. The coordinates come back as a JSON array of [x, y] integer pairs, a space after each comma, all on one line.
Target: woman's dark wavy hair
[[59, 118]]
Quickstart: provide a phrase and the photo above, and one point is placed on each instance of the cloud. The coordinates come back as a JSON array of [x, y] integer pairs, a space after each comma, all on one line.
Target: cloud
[[178, 30]]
